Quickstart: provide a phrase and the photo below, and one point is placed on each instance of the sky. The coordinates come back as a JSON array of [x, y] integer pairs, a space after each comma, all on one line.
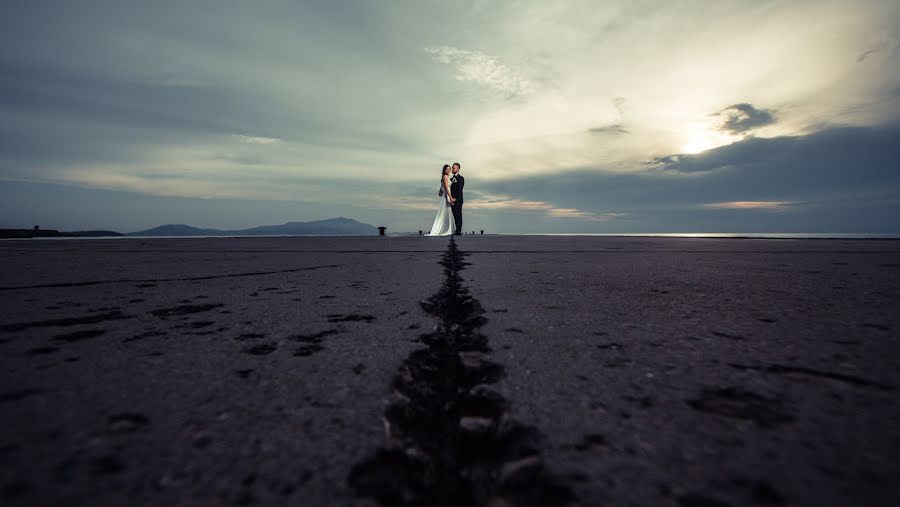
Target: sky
[[576, 116]]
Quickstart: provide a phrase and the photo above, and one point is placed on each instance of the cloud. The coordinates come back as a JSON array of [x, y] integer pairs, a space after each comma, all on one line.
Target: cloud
[[497, 201], [258, 139], [747, 152], [743, 118], [835, 156], [505, 202], [482, 69], [885, 42], [608, 129], [579, 214], [768, 205]]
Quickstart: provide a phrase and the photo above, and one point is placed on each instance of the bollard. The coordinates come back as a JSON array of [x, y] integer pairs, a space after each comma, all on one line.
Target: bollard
[[381, 230], [420, 232], [482, 231]]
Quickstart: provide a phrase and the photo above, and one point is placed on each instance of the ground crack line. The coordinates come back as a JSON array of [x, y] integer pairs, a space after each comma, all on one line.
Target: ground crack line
[[126, 280], [450, 439]]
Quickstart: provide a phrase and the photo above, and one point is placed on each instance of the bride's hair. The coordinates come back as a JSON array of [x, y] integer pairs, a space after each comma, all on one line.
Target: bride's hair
[[443, 171]]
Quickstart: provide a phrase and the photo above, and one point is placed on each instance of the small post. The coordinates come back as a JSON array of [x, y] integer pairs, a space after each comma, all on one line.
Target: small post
[[473, 232], [420, 232], [482, 231], [381, 230]]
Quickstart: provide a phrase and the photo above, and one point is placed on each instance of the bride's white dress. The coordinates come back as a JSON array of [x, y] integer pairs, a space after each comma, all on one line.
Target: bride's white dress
[[443, 222]]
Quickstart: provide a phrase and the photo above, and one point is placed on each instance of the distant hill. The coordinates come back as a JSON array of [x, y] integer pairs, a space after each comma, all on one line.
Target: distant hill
[[331, 227], [177, 230], [52, 233]]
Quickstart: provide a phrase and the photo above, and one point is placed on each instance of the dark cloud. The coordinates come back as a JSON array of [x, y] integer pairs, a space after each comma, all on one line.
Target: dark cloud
[[825, 157], [609, 129], [56, 117], [865, 54], [885, 44], [749, 151], [743, 118], [103, 82], [842, 179]]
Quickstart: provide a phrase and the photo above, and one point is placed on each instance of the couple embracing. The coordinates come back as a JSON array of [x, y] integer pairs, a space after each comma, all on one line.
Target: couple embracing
[[450, 194]]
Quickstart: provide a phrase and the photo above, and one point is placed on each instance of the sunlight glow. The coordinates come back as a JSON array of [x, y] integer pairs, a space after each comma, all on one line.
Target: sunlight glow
[[704, 139], [698, 144]]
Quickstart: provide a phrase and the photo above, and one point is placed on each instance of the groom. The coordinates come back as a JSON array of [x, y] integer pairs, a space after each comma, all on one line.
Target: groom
[[457, 182]]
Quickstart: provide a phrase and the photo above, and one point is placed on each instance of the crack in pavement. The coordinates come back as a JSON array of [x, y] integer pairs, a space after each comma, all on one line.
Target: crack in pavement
[[126, 280], [66, 321], [802, 371], [450, 438]]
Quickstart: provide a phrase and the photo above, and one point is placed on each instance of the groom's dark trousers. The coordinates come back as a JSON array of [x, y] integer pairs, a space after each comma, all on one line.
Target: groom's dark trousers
[[457, 215], [456, 190]]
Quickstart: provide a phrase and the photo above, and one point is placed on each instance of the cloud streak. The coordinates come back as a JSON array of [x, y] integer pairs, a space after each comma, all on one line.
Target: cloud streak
[[506, 202], [482, 69], [743, 205], [258, 139]]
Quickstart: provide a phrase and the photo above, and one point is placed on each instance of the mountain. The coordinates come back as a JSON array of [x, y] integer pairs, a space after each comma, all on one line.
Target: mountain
[[177, 230], [332, 227]]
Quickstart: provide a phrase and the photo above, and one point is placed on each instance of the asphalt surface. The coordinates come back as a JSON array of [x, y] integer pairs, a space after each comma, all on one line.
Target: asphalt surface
[[263, 371]]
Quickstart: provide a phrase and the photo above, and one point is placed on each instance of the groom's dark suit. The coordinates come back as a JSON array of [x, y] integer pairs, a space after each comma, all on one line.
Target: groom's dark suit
[[457, 183]]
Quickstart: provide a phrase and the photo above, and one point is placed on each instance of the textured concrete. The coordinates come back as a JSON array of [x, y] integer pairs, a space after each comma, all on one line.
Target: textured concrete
[[257, 370]]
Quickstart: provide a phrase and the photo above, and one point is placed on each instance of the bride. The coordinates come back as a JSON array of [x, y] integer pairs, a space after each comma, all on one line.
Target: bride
[[443, 222]]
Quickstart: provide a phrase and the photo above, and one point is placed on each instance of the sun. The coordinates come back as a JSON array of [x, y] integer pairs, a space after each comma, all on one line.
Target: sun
[[697, 144], [702, 140]]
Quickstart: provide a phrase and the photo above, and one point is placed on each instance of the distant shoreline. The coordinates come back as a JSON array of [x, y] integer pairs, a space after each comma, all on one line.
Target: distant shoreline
[[198, 237]]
